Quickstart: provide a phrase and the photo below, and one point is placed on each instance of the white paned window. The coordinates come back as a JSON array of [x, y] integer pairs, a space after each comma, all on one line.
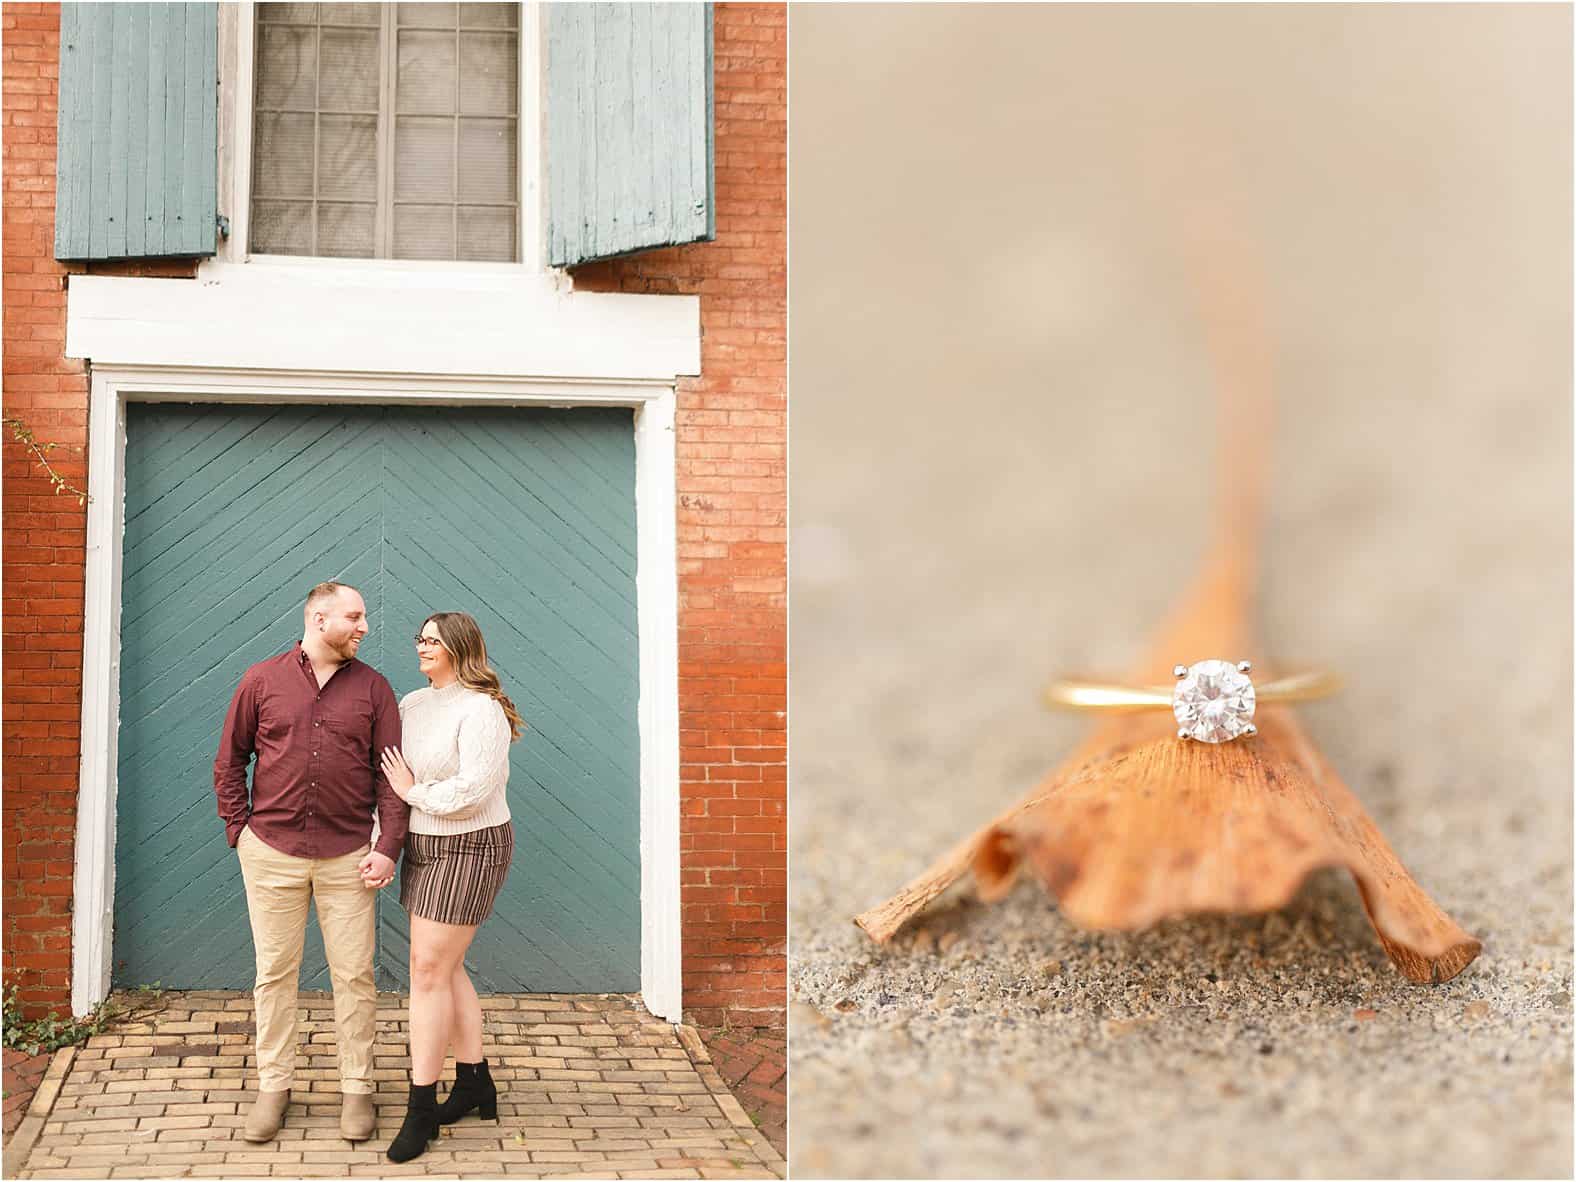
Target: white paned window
[[387, 131]]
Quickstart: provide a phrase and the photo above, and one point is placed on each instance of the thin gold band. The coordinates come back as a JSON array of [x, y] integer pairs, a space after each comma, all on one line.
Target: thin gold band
[[1070, 693]]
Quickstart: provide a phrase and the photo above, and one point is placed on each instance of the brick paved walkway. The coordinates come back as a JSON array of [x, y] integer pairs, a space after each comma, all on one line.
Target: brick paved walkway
[[754, 1065], [22, 1073], [590, 1087]]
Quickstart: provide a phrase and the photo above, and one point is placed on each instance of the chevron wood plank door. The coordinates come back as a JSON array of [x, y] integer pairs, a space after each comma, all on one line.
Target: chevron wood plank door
[[531, 529], [523, 517]]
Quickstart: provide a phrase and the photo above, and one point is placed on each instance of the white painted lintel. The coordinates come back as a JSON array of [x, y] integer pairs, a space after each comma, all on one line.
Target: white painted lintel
[[394, 319]]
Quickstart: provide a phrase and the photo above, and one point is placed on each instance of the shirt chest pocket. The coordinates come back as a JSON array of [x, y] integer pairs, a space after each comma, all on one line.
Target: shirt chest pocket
[[346, 726]]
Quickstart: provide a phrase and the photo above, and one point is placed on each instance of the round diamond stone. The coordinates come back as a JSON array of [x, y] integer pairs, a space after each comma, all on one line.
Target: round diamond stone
[[1213, 702]]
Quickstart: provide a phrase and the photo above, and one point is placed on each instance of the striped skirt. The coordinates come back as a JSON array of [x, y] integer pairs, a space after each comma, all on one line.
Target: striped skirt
[[455, 877]]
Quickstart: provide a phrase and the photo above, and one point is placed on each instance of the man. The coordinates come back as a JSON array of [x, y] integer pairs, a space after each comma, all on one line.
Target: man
[[318, 721]]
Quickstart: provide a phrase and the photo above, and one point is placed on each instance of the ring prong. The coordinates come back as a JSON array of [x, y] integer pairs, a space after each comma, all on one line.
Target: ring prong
[[1179, 671], [1183, 735], [1244, 666], [1250, 730]]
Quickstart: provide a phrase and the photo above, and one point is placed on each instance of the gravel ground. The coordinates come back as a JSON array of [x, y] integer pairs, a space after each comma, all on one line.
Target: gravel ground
[[1000, 463]]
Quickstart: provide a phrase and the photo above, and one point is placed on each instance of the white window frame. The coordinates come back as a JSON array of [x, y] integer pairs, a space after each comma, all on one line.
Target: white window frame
[[237, 65]]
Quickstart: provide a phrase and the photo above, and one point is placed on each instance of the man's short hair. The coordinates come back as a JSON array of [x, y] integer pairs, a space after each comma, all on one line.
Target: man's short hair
[[324, 591]]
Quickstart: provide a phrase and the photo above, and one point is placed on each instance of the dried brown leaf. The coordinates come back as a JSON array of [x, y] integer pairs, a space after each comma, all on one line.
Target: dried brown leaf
[[1138, 826]]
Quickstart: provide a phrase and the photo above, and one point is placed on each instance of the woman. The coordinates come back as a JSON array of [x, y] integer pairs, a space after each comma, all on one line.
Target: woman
[[452, 773]]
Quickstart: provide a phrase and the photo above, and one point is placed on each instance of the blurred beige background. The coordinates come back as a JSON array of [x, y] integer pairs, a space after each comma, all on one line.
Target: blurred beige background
[[1001, 466]]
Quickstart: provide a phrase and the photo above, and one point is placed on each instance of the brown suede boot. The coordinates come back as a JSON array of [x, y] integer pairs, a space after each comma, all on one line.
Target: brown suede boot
[[356, 1116], [267, 1114]]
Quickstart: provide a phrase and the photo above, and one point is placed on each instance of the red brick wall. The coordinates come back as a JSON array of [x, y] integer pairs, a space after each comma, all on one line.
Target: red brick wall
[[44, 534], [732, 533], [732, 494]]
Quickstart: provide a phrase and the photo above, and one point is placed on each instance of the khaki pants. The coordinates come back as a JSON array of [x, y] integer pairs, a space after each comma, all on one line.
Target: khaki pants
[[278, 888]]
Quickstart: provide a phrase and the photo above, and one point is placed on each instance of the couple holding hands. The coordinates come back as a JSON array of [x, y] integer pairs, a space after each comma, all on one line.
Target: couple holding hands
[[334, 749]]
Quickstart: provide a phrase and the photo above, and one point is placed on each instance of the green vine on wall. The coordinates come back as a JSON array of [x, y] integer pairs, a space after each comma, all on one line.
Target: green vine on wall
[[37, 1036], [41, 451]]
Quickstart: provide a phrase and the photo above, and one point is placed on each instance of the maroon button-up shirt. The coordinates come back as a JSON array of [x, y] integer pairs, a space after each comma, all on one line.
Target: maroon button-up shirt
[[318, 775]]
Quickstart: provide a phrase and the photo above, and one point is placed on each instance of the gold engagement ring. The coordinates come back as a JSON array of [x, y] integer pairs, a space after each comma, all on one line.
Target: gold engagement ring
[[1213, 700]]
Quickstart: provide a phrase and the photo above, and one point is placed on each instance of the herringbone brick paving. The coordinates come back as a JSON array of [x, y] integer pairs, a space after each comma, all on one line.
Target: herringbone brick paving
[[754, 1065], [22, 1073], [590, 1086]]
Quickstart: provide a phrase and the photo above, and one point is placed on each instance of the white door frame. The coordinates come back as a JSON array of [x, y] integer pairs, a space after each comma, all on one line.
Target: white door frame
[[653, 399]]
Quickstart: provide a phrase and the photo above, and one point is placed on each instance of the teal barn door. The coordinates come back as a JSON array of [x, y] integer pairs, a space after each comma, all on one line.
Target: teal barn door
[[523, 517]]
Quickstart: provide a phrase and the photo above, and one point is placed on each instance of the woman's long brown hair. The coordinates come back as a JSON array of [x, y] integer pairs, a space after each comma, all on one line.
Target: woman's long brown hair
[[463, 638]]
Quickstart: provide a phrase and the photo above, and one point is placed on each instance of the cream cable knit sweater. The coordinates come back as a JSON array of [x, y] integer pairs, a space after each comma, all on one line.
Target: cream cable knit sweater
[[456, 741]]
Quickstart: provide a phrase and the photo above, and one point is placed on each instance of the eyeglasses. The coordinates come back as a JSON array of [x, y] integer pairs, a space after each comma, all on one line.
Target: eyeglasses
[[423, 641]]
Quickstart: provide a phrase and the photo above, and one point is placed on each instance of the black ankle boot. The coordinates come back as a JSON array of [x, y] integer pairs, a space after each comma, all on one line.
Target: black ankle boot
[[421, 1123], [473, 1089]]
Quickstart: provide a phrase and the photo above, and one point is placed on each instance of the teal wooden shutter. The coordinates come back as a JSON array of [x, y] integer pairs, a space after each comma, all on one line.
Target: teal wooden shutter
[[629, 129], [137, 169]]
